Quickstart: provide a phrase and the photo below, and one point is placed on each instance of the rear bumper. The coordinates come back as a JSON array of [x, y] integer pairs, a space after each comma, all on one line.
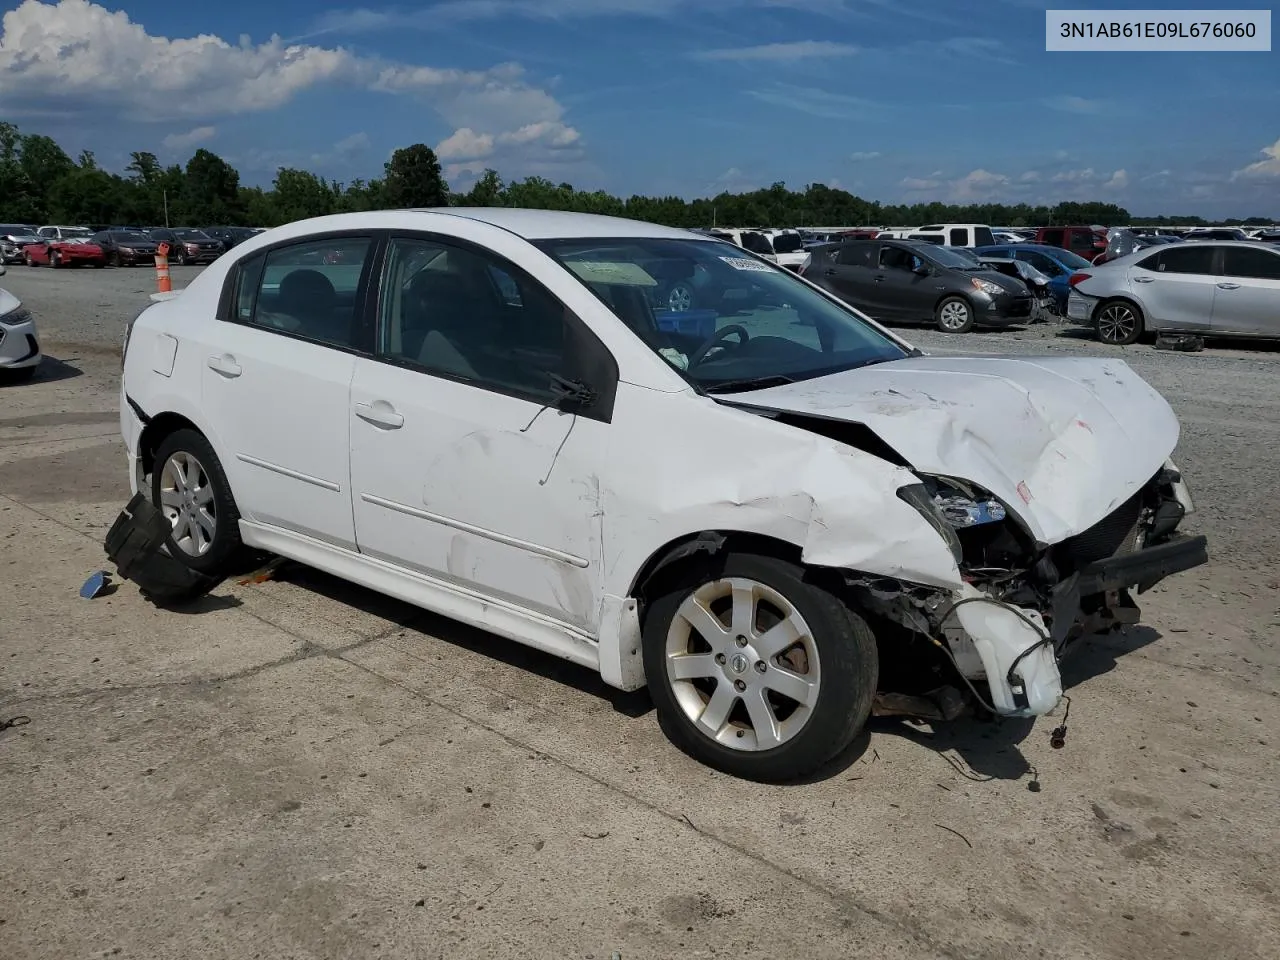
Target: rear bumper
[[1080, 308]]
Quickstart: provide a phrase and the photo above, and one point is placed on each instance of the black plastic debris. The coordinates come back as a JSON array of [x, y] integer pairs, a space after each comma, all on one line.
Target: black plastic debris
[[1182, 342], [135, 544]]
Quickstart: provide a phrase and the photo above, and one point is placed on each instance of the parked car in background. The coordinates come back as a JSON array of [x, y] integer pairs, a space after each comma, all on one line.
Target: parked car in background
[[65, 234], [794, 497], [126, 248], [1212, 288], [13, 237], [1086, 242], [754, 240], [74, 252], [19, 345], [789, 251], [231, 236], [954, 234], [1216, 233], [1054, 262], [187, 245], [912, 281]]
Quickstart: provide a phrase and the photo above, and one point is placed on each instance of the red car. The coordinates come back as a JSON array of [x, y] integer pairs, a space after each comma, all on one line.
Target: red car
[[64, 253], [1085, 242]]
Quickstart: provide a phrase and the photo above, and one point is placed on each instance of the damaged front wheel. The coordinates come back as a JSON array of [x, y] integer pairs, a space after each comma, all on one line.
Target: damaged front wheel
[[757, 673]]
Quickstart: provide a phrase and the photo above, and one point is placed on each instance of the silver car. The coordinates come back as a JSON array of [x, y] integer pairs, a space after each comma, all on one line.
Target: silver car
[[1217, 289]]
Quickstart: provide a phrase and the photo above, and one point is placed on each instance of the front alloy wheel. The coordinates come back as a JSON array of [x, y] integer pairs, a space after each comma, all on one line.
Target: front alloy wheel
[[1118, 323], [186, 499], [955, 315], [756, 672], [190, 488]]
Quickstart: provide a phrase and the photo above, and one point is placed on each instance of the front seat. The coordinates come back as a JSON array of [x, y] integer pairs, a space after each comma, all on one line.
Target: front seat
[[438, 320]]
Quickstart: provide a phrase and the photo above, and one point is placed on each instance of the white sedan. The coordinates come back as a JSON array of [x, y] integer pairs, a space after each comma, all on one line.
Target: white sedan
[[766, 507], [19, 346]]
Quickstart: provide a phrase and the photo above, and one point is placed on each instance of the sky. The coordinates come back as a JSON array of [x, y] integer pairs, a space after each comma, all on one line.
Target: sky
[[895, 100]]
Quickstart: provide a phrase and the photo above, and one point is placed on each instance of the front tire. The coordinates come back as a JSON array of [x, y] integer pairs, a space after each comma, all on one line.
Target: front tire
[[755, 671], [189, 486], [1118, 322], [954, 315], [55, 259]]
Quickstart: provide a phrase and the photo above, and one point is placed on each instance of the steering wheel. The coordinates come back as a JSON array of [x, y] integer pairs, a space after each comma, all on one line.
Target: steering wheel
[[714, 341]]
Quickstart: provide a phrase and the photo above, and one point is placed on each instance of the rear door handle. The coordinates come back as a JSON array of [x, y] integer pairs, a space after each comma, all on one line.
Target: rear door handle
[[380, 414], [1228, 286], [225, 365]]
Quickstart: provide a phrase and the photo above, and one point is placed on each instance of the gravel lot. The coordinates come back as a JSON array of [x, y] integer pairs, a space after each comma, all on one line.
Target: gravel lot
[[300, 768]]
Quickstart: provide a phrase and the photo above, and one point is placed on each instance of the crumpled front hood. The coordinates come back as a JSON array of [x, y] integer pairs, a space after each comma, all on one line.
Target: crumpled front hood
[[1062, 441]]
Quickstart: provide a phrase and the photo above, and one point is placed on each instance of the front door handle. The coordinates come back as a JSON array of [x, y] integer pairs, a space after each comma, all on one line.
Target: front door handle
[[225, 365], [380, 414], [879, 277], [1143, 279], [1228, 286]]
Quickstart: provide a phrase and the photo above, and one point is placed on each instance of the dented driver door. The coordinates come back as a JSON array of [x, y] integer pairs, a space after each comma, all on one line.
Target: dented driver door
[[463, 467]]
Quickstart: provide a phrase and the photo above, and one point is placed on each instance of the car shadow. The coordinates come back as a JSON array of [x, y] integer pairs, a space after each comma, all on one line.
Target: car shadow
[[50, 370], [1099, 653], [471, 639]]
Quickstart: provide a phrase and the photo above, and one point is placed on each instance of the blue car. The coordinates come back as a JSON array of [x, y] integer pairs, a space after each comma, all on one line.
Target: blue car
[[1054, 262]]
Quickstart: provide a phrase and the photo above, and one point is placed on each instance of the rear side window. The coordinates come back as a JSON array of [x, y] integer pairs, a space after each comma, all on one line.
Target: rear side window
[[1195, 259], [959, 237], [982, 236], [308, 290], [788, 243], [1254, 264], [855, 255], [1045, 264]]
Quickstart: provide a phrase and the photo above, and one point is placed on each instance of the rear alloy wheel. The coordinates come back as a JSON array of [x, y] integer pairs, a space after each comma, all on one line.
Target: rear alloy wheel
[[190, 488], [1118, 323], [680, 298], [954, 315], [757, 673], [55, 259]]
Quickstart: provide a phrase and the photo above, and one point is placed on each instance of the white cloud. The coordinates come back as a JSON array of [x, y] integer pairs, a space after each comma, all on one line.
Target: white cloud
[[1030, 176], [863, 155], [1086, 175], [1262, 169], [54, 58], [1074, 104], [1119, 180], [918, 183], [817, 102], [180, 141], [780, 52], [356, 143], [465, 143], [980, 185]]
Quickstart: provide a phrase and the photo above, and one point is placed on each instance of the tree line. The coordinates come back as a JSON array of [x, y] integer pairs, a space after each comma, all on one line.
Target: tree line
[[40, 183]]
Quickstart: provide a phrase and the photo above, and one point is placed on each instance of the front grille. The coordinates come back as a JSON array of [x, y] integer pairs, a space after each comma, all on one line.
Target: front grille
[[1112, 534], [1020, 307]]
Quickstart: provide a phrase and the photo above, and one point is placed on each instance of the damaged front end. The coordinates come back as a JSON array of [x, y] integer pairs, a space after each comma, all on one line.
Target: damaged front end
[[1024, 603]]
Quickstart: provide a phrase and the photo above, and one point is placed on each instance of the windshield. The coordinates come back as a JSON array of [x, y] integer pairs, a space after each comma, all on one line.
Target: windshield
[[1070, 260], [724, 320], [192, 235], [76, 232], [128, 236], [950, 257]]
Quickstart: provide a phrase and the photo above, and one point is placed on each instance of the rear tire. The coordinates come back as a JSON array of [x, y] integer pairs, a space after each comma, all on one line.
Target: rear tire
[[190, 487], [756, 672], [1118, 322]]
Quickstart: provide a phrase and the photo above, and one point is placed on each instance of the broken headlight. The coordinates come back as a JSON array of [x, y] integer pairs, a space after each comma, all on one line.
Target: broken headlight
[[921, 497]]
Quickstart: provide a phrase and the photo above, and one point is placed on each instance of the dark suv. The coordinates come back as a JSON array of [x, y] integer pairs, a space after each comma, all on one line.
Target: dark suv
[[187, 245], [915, 281], [126, 248]]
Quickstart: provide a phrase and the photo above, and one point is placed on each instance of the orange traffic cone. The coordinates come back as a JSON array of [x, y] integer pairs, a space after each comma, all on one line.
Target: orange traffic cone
[[163, 283]]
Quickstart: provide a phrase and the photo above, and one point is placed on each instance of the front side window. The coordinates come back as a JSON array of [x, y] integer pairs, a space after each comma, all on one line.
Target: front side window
[[469, 315], [1253, 263], [309, 290], [856, 254], [748, 323]]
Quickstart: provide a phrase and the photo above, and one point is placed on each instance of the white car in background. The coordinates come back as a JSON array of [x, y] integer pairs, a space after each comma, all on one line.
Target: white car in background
[[19, 346], [789, 251], [756, 514]]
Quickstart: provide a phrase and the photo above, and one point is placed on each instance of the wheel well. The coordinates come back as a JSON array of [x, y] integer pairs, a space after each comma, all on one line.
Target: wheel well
[[1126, 300], [667, 565], [161, 426]]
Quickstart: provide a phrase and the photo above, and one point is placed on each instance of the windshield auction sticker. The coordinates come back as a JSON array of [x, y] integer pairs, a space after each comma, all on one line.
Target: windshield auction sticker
[[1171, 31], [742, 263]]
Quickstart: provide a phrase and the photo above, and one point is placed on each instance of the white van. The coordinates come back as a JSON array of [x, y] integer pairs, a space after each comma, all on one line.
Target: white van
[[955, 234]]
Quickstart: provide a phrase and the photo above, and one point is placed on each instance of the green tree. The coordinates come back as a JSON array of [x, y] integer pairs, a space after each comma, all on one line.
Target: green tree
[[299, 194], [210, 191], [487, 191], [86, 195], [143, 166], [413, 179]]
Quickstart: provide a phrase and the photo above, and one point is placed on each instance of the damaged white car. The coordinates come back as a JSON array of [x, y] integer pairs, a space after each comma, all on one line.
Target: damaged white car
[[767, 508]]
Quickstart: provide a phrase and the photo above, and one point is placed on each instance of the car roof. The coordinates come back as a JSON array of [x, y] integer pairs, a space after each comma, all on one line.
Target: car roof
[[560, 224]]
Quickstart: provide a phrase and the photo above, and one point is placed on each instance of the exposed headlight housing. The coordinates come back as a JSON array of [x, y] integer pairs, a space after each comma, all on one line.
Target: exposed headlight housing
[[920, 497]]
